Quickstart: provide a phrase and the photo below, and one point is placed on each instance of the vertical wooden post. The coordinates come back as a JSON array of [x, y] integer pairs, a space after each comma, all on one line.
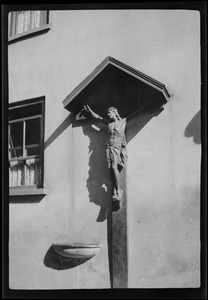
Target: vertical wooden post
[[119, 254], [24, 152]]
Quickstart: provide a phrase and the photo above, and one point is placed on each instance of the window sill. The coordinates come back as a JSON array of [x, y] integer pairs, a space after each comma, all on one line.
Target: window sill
[[29, 33], [27, 191]]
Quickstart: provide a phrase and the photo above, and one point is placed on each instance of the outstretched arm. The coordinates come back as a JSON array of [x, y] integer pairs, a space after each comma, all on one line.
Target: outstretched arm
[[92, 113]]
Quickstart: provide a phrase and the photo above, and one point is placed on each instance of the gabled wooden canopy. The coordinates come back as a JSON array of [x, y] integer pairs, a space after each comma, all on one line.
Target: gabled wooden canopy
[[113, 83]]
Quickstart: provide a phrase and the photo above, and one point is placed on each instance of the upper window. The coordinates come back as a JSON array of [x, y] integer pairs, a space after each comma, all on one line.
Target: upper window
[[26, 21], [26, 128]]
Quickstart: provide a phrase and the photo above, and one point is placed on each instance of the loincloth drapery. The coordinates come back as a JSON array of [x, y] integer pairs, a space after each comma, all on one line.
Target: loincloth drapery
[[116, 151]]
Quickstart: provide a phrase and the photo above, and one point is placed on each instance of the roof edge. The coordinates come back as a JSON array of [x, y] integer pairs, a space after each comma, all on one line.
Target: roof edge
[[124, 67]]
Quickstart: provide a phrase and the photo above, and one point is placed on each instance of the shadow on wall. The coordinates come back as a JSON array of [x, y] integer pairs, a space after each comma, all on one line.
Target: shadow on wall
[[193, 129], [26, 199], [31, 35], [98, 183], [57, 262], [58, 131], [140, 119]]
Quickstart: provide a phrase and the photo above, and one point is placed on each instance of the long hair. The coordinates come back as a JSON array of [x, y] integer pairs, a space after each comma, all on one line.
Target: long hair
[[114, 109]]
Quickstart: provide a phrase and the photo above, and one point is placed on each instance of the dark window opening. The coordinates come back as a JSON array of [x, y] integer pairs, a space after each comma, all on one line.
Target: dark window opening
[[26, 131]]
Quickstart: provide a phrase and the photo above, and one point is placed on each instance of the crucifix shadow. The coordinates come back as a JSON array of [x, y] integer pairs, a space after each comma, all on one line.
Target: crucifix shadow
[[99, 183]]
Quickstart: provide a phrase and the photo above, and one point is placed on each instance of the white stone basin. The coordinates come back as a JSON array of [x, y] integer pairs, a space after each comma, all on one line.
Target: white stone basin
[[77, 250]]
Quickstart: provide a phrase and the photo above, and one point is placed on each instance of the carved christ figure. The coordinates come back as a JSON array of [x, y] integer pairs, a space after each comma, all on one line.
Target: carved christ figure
[[115, 148]]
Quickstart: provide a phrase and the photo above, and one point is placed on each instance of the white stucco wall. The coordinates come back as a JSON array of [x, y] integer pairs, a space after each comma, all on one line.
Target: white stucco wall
[[163, 172]]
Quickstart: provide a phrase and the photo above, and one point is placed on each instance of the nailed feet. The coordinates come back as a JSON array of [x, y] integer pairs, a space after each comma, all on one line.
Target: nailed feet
[[117, 199]]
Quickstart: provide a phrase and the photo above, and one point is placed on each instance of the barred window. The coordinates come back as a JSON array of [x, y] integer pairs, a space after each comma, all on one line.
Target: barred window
[[25, 21], [26, 143]]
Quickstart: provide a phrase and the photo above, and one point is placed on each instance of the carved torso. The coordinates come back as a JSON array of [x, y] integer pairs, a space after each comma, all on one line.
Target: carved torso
[[116, 132]]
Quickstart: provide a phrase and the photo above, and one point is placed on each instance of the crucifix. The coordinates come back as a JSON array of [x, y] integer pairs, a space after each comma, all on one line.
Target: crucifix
[[141, 96], [116, 154]]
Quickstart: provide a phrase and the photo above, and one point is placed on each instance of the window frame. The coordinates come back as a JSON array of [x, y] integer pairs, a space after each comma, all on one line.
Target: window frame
[[30, 32], [29, 189]]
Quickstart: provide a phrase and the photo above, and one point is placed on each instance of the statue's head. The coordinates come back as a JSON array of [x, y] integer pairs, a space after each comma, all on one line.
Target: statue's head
[[112, 111]]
